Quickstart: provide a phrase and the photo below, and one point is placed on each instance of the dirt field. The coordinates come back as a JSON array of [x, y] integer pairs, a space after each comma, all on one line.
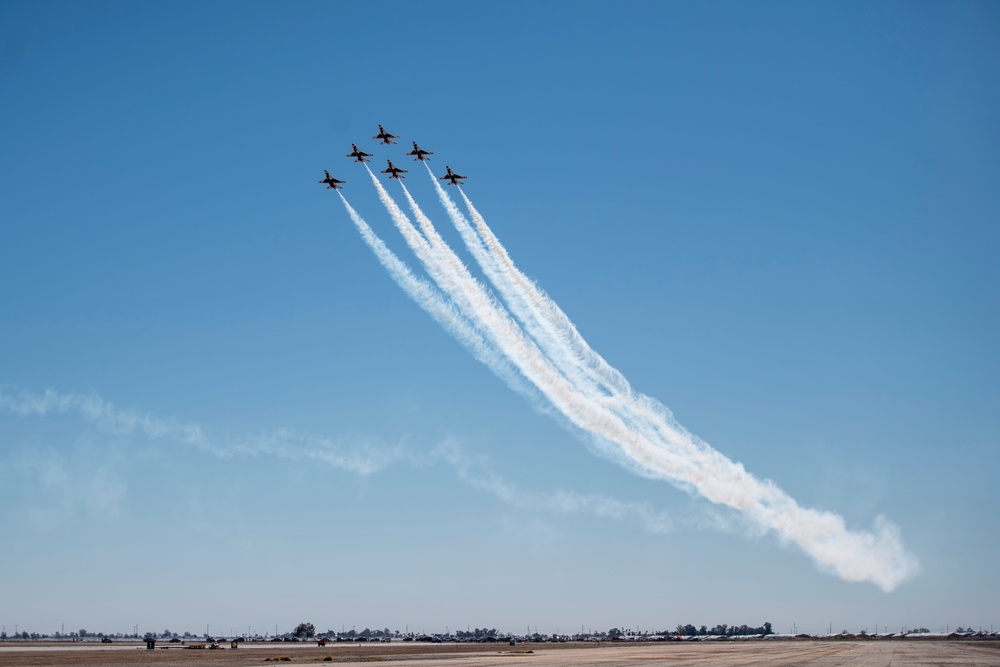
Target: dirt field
[[823, 653]]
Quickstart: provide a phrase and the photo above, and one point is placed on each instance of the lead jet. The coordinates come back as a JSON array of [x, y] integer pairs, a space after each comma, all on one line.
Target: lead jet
[[331, 182], [420, 153], [394, 171], [384, 136], [452, 177], [358, 154]]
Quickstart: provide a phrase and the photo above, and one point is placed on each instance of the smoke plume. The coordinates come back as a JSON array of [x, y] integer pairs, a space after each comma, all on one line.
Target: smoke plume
[[533, 335]]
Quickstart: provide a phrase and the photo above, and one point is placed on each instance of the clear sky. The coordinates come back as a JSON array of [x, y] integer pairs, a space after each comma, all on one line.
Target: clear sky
[[780, 220]]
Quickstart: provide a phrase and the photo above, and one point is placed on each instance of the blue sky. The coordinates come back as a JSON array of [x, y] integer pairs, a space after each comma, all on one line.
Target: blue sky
[[778, 219]]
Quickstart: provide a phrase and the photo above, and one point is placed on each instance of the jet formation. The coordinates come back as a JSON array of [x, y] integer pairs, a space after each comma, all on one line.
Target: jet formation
[[385, 138]]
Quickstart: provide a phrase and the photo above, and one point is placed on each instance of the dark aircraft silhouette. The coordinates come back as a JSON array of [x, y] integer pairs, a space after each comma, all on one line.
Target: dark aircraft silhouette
[[452, 177], [331, 182], [358, 155], [384, 136], [419, 152], [394, 171]]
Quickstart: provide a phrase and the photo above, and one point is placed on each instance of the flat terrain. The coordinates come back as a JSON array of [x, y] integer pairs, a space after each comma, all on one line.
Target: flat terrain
[[678, 654]]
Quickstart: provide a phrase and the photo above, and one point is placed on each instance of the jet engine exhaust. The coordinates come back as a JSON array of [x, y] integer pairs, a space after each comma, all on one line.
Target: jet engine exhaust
[[530, 343]]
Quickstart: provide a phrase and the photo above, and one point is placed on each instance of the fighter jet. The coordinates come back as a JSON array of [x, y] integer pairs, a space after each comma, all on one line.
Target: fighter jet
[[384, 136], [331, 182], [452, 177], [358, 155], [394, 171], [420, 153]]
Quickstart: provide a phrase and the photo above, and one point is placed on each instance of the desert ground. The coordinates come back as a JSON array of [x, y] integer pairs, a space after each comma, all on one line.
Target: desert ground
[[824, 653]]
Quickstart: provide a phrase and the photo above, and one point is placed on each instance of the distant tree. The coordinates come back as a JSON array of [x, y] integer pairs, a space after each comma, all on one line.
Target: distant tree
[[767, 629], [304, 630], [687, 630]]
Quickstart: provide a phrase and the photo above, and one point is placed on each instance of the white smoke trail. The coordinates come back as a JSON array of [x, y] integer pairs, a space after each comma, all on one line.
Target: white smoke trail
[[476, 303], [524, 308], [491, 318], [678, 457], [546, 312], [494, 321], [561, 340], [438, 307], [441, 263], [362, 458], [880, 558], [475, 472]]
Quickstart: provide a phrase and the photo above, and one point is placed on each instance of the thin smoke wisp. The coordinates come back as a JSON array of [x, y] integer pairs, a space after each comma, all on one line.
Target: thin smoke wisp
[[360, 457]]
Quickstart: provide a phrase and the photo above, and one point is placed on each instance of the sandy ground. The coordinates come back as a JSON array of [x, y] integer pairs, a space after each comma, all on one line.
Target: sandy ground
[[780, 653]]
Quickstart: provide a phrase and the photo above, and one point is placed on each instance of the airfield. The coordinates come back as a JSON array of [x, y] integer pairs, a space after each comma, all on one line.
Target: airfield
[[607, 654]]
